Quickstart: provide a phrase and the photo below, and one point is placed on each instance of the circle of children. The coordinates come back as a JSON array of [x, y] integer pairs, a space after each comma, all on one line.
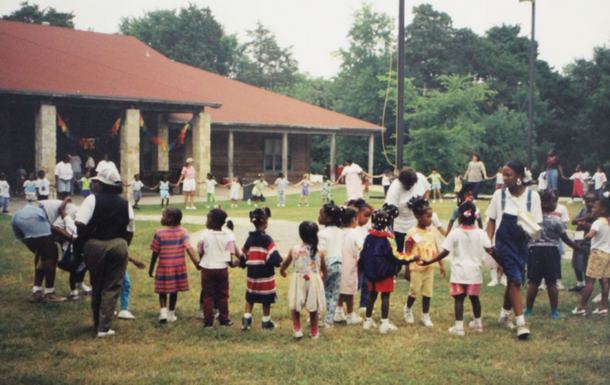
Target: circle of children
[[352, 247]]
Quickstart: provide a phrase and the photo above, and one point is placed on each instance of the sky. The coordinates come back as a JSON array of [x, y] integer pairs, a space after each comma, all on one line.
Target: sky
[[565, 29]]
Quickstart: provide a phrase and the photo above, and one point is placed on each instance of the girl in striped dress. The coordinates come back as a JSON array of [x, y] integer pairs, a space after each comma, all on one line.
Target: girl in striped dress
[[168, 246], [261, 259]]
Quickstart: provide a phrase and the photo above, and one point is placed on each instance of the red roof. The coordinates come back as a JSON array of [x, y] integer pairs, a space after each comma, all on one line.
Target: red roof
[[43, 59]]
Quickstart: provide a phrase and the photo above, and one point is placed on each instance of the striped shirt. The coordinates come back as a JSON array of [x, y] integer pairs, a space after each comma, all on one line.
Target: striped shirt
[[171, 245]]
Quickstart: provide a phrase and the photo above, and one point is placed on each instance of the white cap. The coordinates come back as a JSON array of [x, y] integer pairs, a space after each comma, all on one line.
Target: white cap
[[109, 176], [190, 160]]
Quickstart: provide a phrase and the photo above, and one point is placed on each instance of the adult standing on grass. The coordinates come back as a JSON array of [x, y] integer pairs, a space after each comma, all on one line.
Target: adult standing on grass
[[510, 240], [475, 174], [409, 184], [105, 224], [63, 177], [188, 176], [351, 172], [553, 169]]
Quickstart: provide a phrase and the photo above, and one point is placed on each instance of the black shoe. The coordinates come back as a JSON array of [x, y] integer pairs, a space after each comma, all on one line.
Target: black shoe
[[246, 323], [207, 325], [268, 325], [576, 289], [229, 322]]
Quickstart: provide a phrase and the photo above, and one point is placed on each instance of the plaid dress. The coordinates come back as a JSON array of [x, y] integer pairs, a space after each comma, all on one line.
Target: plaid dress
[[171, 276]]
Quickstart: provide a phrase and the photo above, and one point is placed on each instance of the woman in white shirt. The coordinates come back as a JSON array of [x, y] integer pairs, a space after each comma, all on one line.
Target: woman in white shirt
[[510, 239]]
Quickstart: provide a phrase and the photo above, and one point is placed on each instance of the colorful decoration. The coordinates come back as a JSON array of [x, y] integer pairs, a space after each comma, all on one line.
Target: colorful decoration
[[87, 143]]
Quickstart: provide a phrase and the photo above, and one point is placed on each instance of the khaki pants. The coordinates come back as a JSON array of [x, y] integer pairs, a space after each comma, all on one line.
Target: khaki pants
[[107, 262]]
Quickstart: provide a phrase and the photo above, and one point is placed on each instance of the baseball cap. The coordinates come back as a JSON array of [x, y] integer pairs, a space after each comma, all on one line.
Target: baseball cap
[[190, 160], [109, 176]]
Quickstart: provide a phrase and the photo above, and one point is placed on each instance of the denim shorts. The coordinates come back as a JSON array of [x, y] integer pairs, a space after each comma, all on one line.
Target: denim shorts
[[64, 185], [164, 194], [30, 221], [137, 195]]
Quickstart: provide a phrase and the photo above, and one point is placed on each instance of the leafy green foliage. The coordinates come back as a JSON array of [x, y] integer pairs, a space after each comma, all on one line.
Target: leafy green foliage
[[34, 15]]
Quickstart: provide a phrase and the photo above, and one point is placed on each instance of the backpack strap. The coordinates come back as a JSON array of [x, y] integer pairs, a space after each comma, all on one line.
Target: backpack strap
[[503, 198], [529, 200]]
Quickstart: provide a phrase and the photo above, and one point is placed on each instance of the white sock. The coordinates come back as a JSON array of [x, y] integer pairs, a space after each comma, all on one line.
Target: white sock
[[478, 322], [266, 318], [339, 310], [74, 292], [580, 284], [494, 275], [49, 290], [407, 309], [459, 324], [36, 289], [425, 315], [504, 313], [385, 320], [248, 315], [350, 315], [520, 319]]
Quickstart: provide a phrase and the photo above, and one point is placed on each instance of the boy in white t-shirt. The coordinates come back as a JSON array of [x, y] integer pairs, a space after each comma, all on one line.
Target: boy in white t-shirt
[[136, 184], [43, 186], [5, 193], [210, 185], [216, 248]]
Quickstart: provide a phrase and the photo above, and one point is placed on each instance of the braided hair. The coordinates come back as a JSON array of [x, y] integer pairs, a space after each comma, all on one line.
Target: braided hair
[[419, 205], [468, 213], [308, 231], [359, 204], [381, 220], [259, 216], [391, 210], [333, 212]]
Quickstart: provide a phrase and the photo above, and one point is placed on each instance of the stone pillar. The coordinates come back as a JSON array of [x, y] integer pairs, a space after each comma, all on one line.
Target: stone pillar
[[230, 156], [201, 147], [285, 154], [371, 153], [333, 156], [46, 140], [130, 149], [160, 156]]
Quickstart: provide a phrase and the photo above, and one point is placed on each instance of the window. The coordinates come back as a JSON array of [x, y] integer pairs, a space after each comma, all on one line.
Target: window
[[272, 159]]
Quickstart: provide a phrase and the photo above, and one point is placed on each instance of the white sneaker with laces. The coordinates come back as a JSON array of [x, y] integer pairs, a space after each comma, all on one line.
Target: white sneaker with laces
[[387, 327], [126, 314], [339, 317], [477, 327], [109, 333], [408, 315], [523, 332], [456, 331], [425, 320], [506, 321], [369, 323], [163, 315], [353, 319]]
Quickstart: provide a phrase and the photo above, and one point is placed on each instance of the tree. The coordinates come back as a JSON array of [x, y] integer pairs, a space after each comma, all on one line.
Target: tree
[[266, 64], [191, 36], [34, 15]]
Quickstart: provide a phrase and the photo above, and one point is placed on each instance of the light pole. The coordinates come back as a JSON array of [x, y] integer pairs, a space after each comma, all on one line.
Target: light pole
[[400, 111], [532, 80]]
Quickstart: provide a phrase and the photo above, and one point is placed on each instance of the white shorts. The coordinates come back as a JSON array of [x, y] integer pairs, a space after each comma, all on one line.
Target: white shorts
[[189, 185]]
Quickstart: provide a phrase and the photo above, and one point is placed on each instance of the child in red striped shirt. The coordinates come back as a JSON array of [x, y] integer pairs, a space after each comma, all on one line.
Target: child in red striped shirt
[[168, 246]]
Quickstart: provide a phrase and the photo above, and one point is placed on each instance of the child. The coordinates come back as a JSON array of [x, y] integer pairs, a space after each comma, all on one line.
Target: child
[[306, 285], [583, 221], [599, 181], [386, 181], [380, 261], [137, 185], [331, 239], [304, 190], [235, 189], [364, 215], [542, 182], [467, 245], [326, 193], [465, 194], [499, 179], [579, 181], [261, 259], [30, 188], [599, 258], [282, 183], [457, 184], [86, 184], [43, 185], [163, 187], [168, 246], [351, 246], [259, 187], [210, 184], [544, 260], [436, 185], [216, 247], [421, 242], [5, 193]]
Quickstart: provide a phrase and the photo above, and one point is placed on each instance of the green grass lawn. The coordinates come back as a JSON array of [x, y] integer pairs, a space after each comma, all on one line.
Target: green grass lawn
[[53, 343]]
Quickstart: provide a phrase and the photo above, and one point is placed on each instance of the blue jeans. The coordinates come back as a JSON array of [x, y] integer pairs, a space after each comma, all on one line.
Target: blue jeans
[[4, 204], [332, 284], [475, 188], [363, 282], [552, 176], [125, 291]]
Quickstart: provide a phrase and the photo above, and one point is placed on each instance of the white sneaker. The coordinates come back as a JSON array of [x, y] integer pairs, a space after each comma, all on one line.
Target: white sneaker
[[503, 281], [506, 321], [387, 327], [172, 318], [440, 200], [598, 298], [109, 333], [456, 331], [434, 201], [353, 319], [570, 201], [163, 316], [126, 314], [408, 315], [523, 332], [328, 326], [560, 285], [339, 317], [493, 283], [193, 208], [362, 310], [84, 288], [278, 205], [200, 314], [283, 205], [477, 327], [369, 323], [297, 334], [425, 320]]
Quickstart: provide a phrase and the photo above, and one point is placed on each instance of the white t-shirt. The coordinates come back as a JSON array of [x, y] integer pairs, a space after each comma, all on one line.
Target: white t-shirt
[[579, 175], [331, 238], [5, 189], [599, 178], [235, 186], [217, 247], [563, 211], [281, 183], [85, 213], [436, 222], [601, 240], [542, 182], [136, 185], [398, 196], [43, 186], [76, 163], [210, 185], [64, 171], [51, 207], [90, 162], [352, 241], [514, 205], [385, 181], [467, 250]]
